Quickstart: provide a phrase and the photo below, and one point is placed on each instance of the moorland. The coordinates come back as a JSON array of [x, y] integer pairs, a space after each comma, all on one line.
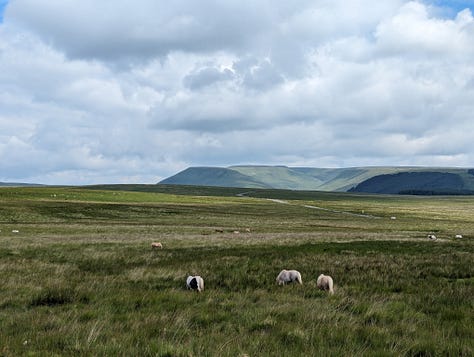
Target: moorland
[[78, 275]]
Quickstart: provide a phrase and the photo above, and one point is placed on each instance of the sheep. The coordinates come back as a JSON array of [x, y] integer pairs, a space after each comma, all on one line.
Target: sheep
[[156, 245], [432, 237], [15, 231], [288, 276], [458, 236], [325, 282], [195, 283]]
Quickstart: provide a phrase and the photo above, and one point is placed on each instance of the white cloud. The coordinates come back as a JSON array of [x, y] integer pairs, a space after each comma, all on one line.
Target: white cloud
[[106, 92], [412, 31]]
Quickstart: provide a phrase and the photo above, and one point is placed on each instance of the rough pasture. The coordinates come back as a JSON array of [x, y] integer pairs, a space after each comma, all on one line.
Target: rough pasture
[[79, 277]]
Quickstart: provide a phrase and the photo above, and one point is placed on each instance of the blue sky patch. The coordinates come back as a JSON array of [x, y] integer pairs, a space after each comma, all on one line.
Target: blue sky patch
[[453, 6], [3, 4]]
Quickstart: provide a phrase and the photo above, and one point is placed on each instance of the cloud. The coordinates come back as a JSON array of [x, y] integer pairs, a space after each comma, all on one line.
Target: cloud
[[413, 31], [115, 31], [207, 76], [107, 92]]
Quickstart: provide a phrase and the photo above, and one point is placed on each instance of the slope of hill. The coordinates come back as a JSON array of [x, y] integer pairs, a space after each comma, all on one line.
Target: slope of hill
[[355, 179], [213, 176], [280, 177], [421, 182], [343, 179]]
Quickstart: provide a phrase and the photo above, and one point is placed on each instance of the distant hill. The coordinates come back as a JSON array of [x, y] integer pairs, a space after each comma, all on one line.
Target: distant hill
[[411, 180], [17, 184], [213, 176], [421, 183]]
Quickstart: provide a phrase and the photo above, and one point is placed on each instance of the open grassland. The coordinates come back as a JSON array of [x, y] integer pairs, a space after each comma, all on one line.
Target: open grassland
[[79, 276]]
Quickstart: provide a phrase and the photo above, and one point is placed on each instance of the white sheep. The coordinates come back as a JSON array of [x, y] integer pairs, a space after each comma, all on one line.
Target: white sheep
[[195, 283], [325, 282], [156, 245], [432, 237], [288, 276], [458, 236]]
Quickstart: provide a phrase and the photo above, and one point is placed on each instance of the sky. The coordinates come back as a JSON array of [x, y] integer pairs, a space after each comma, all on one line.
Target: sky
[[109, 92]]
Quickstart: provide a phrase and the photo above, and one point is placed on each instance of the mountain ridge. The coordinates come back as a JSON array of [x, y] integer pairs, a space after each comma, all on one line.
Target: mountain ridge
[[354, 179]]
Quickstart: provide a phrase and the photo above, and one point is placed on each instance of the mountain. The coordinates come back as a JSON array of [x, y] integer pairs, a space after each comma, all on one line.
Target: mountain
[[409, 180], [213, 176]]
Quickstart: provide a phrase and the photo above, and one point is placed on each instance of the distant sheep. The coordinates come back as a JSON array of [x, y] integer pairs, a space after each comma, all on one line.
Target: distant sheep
[[432, 237], [15, 231], [458, 236], [156, 245], [195, 283], [325, 282], [288, 276]]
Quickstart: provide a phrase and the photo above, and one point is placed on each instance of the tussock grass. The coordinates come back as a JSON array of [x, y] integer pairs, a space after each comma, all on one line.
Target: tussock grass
[[80, 277]]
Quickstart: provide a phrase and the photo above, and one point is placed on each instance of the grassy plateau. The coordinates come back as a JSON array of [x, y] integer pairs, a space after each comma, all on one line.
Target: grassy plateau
[[78, 275]]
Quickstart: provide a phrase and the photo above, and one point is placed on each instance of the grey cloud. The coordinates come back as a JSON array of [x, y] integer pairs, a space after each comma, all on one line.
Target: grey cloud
[[207, 76], [261, 76], [143, 30]]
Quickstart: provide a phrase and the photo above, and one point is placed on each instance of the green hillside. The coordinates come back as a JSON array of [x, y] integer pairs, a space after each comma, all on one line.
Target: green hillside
[[419, 182], [280, 177], [343, 179], [360, 179], [213, 176]]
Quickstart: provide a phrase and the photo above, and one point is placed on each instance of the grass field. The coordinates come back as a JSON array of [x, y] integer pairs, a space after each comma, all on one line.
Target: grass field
[[79, 276]]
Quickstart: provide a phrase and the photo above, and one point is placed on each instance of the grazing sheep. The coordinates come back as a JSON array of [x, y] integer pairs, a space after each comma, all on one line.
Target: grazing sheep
[[195, 283], [288, 276], [15, 231], [325, 282], [458, 236], [156, 245], [432, 237]]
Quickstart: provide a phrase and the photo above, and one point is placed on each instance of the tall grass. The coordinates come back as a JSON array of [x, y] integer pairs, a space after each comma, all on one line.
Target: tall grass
[[80, 277]]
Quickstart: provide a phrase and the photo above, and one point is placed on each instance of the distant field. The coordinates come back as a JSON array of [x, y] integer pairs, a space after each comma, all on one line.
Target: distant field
[[79, 276]]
